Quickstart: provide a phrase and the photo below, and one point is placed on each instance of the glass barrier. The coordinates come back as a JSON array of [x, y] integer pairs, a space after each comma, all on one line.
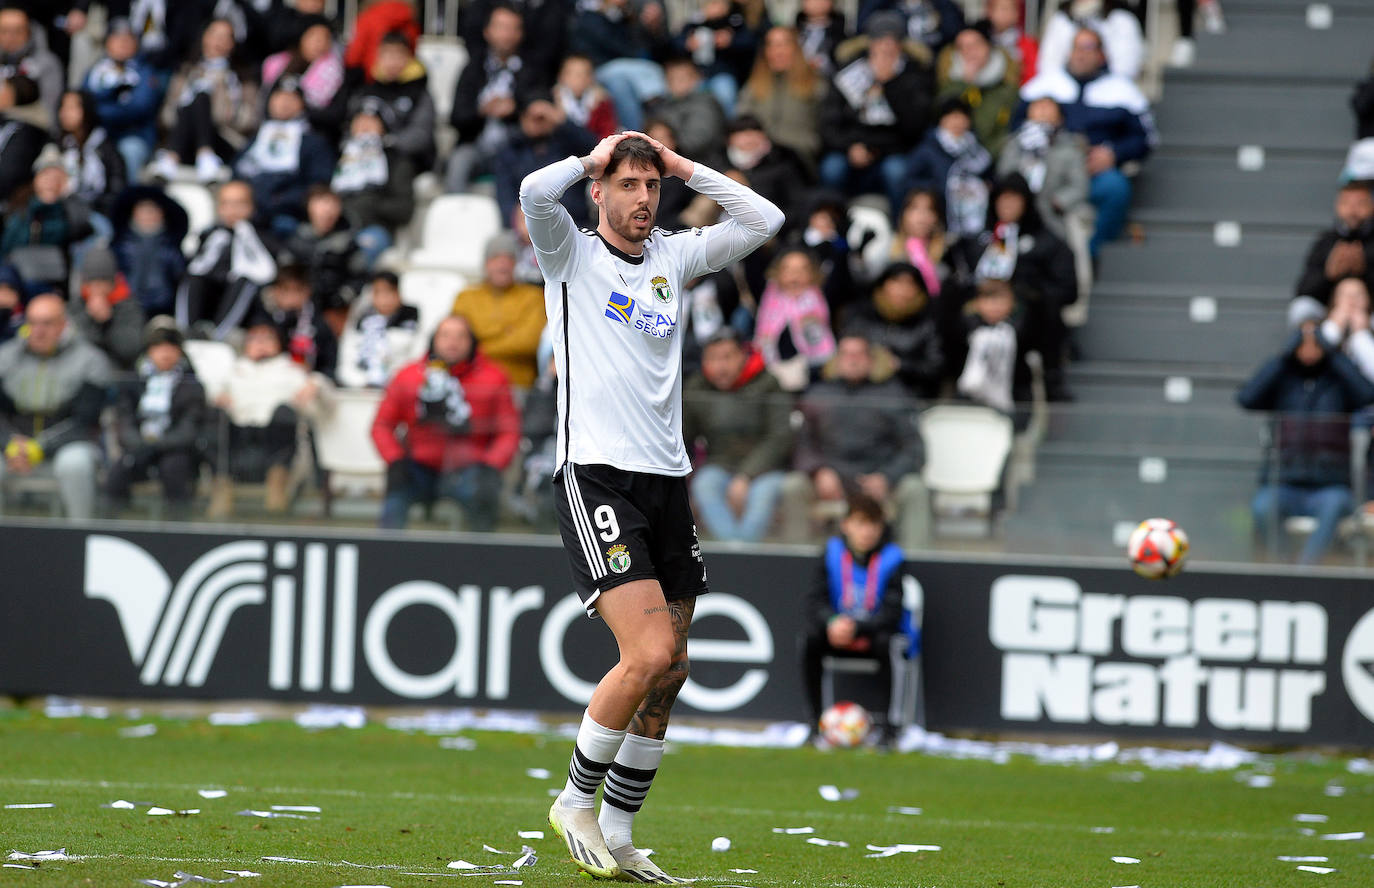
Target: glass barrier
[[1047, 480]]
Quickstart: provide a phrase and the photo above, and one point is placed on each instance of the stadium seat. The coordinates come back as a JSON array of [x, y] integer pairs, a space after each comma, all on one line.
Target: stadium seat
[[444, 60], [966, 455], [455, 233], [865, 221], [343, 443], [212, 362], [432, 291], [199, 205]]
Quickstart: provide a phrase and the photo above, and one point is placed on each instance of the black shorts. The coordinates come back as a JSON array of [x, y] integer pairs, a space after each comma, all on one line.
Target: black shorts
[[620, 526]]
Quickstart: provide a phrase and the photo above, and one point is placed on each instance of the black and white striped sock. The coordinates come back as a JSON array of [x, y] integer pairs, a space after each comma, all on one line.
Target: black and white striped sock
[[627, 785], [592, 756]]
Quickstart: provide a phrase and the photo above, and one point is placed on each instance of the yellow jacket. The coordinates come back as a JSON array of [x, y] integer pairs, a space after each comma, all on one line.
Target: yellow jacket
[[507, 323]]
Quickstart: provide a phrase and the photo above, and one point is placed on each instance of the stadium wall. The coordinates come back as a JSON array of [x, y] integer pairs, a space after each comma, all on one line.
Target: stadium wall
[[122, 610]]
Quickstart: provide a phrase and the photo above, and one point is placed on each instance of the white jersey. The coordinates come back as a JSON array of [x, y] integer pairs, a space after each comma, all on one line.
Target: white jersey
[[615, 318]]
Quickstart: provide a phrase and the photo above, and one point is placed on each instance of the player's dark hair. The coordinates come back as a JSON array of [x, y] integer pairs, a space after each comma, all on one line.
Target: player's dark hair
[[636, 152], [864, 506]]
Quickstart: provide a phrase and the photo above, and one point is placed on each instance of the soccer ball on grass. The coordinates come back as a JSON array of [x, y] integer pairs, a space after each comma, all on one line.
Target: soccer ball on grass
[[845, 724], [1157, 548]]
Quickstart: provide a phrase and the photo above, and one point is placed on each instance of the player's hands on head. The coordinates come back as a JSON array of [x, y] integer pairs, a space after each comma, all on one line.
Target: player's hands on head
[[674, 164], [595, 163]]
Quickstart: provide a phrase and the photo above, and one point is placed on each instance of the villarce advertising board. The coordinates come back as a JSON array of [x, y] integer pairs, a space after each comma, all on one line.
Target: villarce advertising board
[[492, 622]]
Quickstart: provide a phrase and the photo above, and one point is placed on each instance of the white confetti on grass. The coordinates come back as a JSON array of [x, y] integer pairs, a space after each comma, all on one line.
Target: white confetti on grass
[[491, 850], [1125, 860], [530, 833], [1288, 858], [19, 866], [835, 843], [134, 732], [1103, 830], [902, 848], [463, 744], [832, 793], [40, 856], [300, 809], [794, 830], [244, 874], [18, 806], [538, 773], [1344, 837], [1319, 870], [903, 809], [744, 872], [1310, 818], [212, 793], [288, 860], [287, 815], [159, 811]]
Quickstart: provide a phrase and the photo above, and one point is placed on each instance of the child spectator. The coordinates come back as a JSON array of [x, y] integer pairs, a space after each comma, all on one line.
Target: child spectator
[[461, 430], [584, 101], [1005, 20], [382, 339], [950, 161], [159, 423], [127, 93], [854, 605], [309, 340], [785, 94], [507, 317], [210, 112], [265, 395], [792, 330], [920, 238], [979, 72], [820, 29], [285, 158], [325, 245], [104, 314], [995, 372], [95, 169], [228, 269], [398, 93], [1051, 160], [375, 182], [316, 66], [149, 227]]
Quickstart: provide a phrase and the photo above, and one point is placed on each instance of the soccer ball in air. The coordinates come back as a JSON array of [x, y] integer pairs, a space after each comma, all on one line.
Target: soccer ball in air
[[845, 724], [1157, 548]]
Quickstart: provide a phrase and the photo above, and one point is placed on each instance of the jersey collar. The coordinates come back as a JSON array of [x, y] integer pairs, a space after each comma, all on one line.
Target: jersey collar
[[619, 253]]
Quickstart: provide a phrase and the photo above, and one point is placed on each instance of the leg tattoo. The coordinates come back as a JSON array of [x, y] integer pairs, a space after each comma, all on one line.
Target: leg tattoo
[[652, 718]]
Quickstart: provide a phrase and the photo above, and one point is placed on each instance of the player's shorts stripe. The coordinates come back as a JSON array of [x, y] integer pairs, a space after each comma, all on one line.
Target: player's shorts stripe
[[583, 523]]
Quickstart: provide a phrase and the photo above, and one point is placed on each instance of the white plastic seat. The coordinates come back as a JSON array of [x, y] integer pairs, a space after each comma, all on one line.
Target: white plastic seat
[[343, 442], [432, 292], [199, 205], [455, 233], [864, 219], [444, 59], [966, 454], [212, 362]]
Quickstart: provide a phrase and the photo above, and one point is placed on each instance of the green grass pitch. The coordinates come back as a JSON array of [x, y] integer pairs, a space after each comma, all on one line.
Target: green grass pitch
[[400, 800]]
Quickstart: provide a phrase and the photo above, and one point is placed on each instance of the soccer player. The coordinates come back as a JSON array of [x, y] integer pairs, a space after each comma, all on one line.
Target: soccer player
[[614, 302]]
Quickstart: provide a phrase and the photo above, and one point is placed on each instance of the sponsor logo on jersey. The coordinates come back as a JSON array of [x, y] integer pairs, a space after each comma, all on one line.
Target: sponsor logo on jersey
[[621, 308], [662, 292], [618, 557], [625, 310]]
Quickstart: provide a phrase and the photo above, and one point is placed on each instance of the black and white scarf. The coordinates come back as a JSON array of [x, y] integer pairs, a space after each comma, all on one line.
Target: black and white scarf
[[966, 192], [276, 149], [362, 165], [85, 169], [863, 92], [247, 258], [155, 404]]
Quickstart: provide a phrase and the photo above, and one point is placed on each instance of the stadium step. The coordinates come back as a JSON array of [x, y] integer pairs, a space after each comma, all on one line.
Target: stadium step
[[1192, 187], [1144, 426], [1272, 297], [1193, 257], [1288, 47], [1240, 10], [1167, 332], [1208, 110], [1155, 385]]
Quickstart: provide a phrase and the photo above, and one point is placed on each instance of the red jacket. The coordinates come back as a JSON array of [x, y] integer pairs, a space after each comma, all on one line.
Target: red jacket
[[375, 23], [493, 430]]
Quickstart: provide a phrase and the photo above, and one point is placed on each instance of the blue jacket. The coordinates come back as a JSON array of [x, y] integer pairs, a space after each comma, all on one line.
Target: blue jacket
[[1106, 108], [129, 107], [874, 601], [153, 266]]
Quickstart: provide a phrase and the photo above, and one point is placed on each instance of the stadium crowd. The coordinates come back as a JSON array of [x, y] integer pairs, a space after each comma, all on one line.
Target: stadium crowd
[[998, 163]]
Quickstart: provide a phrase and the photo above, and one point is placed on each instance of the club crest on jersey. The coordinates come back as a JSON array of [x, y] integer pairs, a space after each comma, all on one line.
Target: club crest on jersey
[[621, 308], [618, 557], [662, 292]]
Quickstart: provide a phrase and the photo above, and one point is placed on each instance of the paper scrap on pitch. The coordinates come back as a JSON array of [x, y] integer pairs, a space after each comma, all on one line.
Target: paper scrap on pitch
[[491, 850], [332, 717], [1125, 860], [901, 848], [212, 793], [527, 858], [530, 833], [1310, 818], [244, 874], [744, 872], [27, 805], [465, 865], [120, 805], [1319, 870], [465, 744], [159, 811], [19, 866], [1343, 837], [182, 879], [794, 830], [508, 882], [1335, 791], [287, 860], [1103, 830], [903, 809], [832, 793], [299, 809], [233, 719], [40, 856], [836, 843], [1288, 858], [280, 814], [538, 773], [136, 731]]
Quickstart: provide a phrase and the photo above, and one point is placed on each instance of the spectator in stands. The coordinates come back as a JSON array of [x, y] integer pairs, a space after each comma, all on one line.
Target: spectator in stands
[[375, 184], [820, 30], [228, 269], [825, 235], [168, 29], [792, 331], [722, 44], [675, 198], [376, 19], [159, 420], [103, 312], [284, 159], [920, 238], [1344, 250], [324, 244], [1004, 24], [973, 69], [527, 262], [951, 162], [461, 430], [23, 54], [287, 21], [1347, 324], [1113, 116], [1183, 51], [314, 68], [127, 92], [1121, 36], [622, 45], [770, 168], [308, 339], [694, 114], [504, 315], [383, 337], [1362, 103], [854, 604], [13, 297], [932, 23], [1311, 388], [487, 97], [52, 389], [148, 230], [538, 430], [857, 432], [545, 134], [545, 22], [1050, 158], [399, 95], [992, 356], [875, 113], [785, 94], [210, 113], [264, 397], [736, 418], [39, 236], [21, 139], [901, 319], [95, 169], [58, 21], [582, 100]]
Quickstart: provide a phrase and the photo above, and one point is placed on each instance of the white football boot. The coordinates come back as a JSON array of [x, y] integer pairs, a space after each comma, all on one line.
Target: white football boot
[[578, 827]]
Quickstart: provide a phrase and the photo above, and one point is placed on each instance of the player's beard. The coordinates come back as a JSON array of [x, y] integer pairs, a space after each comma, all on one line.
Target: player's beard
[[625, 225]]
